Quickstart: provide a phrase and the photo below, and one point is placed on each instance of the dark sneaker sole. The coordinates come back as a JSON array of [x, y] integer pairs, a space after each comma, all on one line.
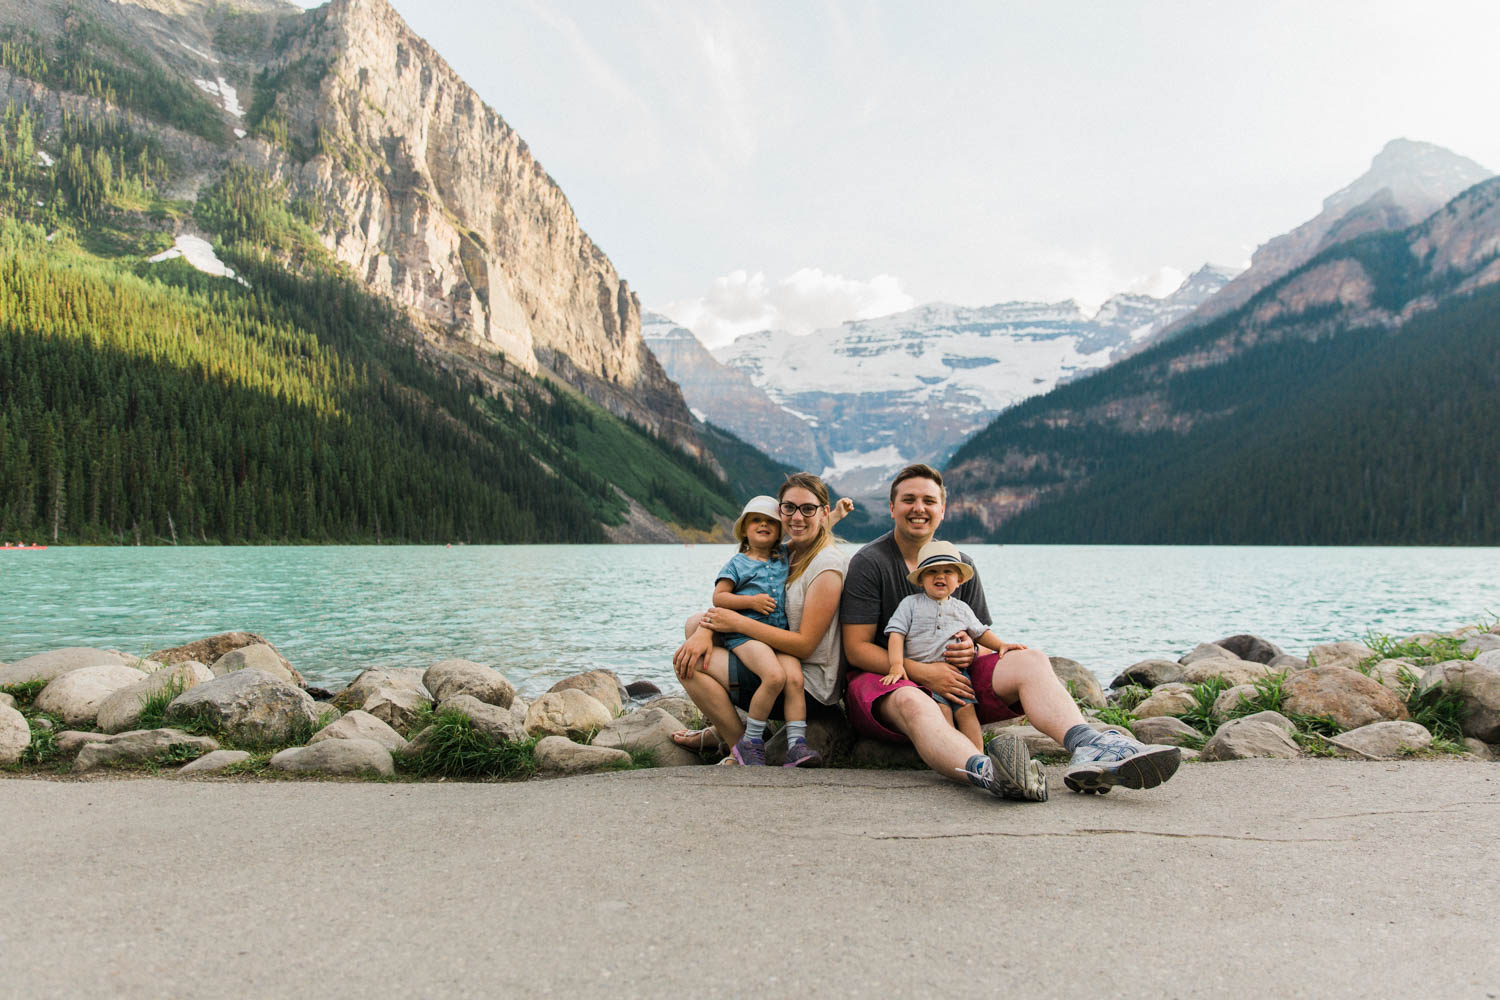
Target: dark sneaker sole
[[816, 760], [1018, 776], [1147, 769]]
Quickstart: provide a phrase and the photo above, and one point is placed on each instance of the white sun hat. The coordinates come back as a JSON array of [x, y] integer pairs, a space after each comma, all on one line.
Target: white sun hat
[[764, 505]]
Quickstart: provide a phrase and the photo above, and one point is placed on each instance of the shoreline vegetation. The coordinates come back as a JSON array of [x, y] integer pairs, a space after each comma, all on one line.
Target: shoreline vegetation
[[232, 706]]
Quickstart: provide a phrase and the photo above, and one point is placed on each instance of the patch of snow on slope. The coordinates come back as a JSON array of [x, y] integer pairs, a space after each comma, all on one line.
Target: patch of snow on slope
[[225, 92], [200, 253], [44, 159], [846, 462]]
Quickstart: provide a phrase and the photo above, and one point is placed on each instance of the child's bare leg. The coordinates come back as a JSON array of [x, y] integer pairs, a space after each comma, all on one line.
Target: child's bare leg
[[761, 660], [793, 698], [966, 720]]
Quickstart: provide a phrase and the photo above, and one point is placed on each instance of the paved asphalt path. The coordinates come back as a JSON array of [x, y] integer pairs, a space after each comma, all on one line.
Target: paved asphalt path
[[1251, 879]]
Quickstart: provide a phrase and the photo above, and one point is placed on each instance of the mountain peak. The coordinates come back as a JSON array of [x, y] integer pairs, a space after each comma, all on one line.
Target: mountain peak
[[1417, 174]]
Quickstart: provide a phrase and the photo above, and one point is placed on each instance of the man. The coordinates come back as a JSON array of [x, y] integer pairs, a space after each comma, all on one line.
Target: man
[[1017, 682]]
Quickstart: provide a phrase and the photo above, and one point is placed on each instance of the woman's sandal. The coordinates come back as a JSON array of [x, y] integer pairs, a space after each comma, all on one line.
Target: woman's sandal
[[700, 740]]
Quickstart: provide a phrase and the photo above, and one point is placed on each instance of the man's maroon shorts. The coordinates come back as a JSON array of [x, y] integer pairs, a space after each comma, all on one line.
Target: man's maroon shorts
[[866, 689]]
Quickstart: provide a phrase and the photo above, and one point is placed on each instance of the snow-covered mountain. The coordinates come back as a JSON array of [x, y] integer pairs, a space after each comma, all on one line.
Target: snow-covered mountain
[[876, 394]]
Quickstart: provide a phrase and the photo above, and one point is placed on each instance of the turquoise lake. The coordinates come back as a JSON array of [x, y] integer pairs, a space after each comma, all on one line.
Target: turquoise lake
[[542, 612]]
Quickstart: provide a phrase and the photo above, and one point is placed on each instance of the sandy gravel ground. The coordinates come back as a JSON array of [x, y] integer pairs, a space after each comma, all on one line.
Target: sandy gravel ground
[[1302, 878]]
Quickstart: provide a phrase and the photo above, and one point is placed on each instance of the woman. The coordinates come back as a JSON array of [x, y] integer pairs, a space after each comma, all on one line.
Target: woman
[[717, 682]]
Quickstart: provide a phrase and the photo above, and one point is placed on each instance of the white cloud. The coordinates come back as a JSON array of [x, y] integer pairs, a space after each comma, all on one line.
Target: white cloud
[[1159, 283], [806, 300]]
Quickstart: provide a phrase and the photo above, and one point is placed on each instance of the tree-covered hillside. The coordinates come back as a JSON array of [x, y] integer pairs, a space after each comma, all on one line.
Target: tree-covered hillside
[[1362, 437], [151, 402]]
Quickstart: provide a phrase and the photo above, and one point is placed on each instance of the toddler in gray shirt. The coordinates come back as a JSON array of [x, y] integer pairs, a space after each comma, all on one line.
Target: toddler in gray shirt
[[922, 625]]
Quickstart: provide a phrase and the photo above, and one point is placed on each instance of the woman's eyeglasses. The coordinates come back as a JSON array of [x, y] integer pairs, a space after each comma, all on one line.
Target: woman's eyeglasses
[[807, 509]]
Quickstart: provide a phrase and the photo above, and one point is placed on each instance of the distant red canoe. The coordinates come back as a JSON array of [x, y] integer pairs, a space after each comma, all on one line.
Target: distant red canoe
[[22, 548]]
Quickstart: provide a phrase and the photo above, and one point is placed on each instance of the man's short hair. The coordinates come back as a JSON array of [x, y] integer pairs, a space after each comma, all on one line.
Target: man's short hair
[[919, 471]]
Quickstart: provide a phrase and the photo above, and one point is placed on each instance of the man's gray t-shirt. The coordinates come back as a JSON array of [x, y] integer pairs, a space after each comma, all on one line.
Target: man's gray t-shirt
[[876, 584], [929, 624]]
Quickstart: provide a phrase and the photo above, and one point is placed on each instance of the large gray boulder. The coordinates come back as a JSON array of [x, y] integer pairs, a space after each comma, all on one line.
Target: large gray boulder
[[1276, 719], [1390, 672], [1205, 651], [560, 755], [377, 679], [249, 706], [1231, 699], [1251, 647], [122, 710], [682, 709], [647, 729], [1482, 643], [1340, 654], [15, 735], [1240, 739], [8, 700], [1490, 659], [1479, 687], [450, 678], [1286, 663], [360, 725], [214, 760], [346, 758], [1383, 740], [1164, 729], [140, 746], [1346, 696], [401, 708], [1079, 680], [569, 712], [76, 696], [70, 741], [209, 650], [1168, 699], [1229, 669], [601, 685], [53, 664], [1149, 673], [256, 656], [499, 724]]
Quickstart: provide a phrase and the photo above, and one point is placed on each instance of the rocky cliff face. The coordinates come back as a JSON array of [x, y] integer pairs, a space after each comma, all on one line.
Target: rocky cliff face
[[425, 192]]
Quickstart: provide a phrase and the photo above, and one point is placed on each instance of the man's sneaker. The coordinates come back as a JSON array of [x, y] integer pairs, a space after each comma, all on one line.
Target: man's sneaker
[[749, 752], [1113, 759], [1008, 772], [799, 754]]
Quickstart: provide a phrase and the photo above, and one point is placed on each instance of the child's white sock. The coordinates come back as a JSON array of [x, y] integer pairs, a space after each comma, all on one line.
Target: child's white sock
[[796, 731], [756, 729]]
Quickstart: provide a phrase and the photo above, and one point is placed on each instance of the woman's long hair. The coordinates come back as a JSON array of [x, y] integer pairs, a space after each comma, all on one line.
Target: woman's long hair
[[824, 537]]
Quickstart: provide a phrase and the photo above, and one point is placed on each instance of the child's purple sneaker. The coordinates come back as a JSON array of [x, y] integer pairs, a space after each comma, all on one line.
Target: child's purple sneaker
[[799, 754], [751, 753]]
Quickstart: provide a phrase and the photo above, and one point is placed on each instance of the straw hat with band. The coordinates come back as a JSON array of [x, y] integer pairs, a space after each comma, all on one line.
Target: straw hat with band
[[935, 554], [764, 505]]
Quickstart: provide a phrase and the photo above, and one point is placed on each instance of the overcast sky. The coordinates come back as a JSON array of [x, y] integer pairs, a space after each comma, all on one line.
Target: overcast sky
[[795, 164]]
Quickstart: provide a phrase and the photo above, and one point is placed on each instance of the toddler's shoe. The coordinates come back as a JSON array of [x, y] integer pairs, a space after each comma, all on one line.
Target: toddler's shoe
[[799, 754], [751, 753]]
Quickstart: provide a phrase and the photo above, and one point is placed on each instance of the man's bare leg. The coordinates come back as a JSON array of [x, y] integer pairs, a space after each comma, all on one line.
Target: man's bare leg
[[1024, 677], [912, 712], [1100, 760]]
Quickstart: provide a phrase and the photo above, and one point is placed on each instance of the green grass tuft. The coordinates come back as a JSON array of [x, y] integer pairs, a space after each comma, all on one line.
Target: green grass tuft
[[1201, 715], [1114, 715], [1421, 653], [455, 748], [24, 693], [154, 705], [1440, 709], [1131, 695]]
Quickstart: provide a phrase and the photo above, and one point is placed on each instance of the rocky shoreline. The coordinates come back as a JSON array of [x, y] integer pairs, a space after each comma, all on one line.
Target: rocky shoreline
[[231, 704]]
